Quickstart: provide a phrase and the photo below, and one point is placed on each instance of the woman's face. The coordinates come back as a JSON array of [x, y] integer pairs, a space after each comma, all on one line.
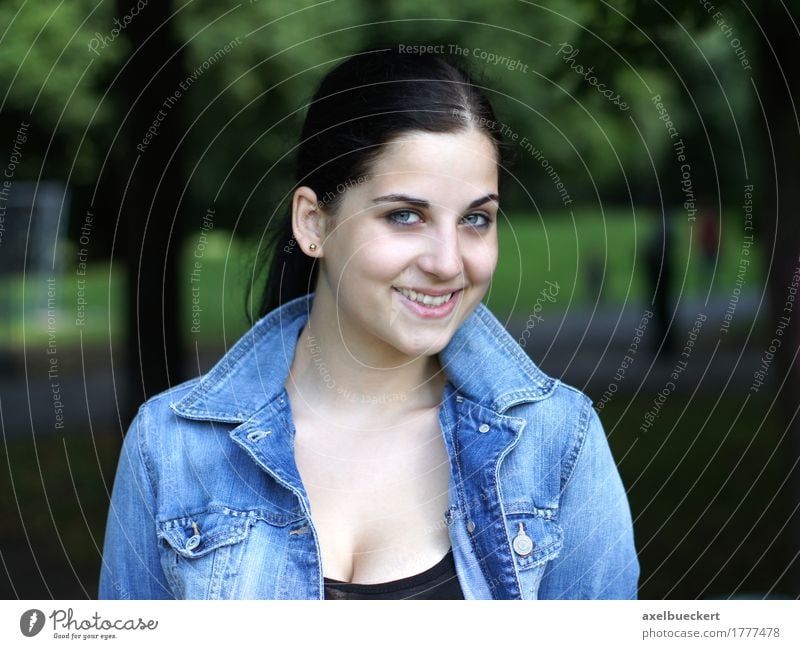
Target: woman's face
[[424, 220]]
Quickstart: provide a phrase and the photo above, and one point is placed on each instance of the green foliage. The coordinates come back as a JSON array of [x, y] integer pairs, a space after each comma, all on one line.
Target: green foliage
[[252, 67], [250, 103], [51, 78]]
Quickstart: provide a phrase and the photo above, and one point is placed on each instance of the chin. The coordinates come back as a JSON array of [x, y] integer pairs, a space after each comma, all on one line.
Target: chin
[[428, 344]]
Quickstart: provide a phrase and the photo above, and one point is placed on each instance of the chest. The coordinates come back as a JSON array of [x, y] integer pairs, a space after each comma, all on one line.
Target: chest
[[378, 495], [373, 522]]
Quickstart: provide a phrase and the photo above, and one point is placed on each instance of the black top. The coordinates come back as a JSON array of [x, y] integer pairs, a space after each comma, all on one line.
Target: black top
[[437, 582]]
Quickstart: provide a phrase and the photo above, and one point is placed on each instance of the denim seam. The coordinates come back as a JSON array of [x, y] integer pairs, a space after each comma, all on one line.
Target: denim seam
[[144, 455], [498, 489], [482, 562], [574, 451], [509, 345], [454, 430], [240, 515], [528, 507], [170, 571], [141, 431]]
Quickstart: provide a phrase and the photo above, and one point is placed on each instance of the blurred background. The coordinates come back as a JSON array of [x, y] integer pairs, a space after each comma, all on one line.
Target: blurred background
[[649, 243]]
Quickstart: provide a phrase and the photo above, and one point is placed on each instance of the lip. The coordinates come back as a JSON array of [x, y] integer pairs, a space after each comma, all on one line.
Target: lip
[[430, 312], [428, 291]]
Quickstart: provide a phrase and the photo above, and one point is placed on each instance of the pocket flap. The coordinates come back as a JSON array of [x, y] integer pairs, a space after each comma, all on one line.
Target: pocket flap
[[197, 535], [534, 534]]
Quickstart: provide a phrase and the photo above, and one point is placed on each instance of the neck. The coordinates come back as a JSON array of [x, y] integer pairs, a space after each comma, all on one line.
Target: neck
[[338, 367]]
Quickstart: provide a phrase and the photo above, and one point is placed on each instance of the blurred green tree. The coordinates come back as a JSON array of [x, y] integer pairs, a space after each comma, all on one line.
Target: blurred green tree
[[92, 79], [157, 112]]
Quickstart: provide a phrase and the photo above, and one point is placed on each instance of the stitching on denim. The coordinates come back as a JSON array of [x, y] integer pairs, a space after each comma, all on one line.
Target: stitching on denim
[[454, 513], [528, 507], [139, 429], [521, 396], [210, 543], [454, 431], [141, 447], [498, 488], [219, 559], [489, 321], [575, 451], [541, 553], [247, 343], [462, 496], [247, 515], [485, 320]]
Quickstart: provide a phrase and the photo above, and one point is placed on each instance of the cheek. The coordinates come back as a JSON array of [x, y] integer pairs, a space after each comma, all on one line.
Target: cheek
[[481, 259], [371, 262]]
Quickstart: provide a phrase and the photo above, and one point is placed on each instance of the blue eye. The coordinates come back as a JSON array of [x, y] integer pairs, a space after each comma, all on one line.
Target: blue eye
[[484, 224], [404, 217], [400, 221]]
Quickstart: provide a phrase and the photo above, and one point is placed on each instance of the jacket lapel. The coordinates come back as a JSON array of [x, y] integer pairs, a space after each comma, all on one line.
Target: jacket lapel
[[482, 438]]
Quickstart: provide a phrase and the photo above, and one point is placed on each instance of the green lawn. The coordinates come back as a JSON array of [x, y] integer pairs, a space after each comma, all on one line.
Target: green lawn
[[600, 254], [579, 255]]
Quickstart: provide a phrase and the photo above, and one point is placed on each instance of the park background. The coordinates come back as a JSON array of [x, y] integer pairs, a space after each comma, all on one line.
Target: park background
[[649, 221]]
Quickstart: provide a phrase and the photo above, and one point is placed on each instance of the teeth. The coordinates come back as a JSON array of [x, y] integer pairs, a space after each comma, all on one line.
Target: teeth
[[422, 298]]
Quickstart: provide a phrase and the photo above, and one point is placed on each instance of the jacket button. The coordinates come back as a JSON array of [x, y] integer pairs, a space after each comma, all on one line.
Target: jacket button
[[483, 428], [470, 527], [192, 542], [522, 544]]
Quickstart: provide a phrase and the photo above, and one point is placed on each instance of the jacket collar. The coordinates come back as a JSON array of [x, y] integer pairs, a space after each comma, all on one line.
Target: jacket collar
[[482, 361]]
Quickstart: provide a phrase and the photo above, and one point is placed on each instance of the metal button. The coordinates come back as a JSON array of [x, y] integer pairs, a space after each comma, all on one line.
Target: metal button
[[470, 527], [522, 544], [193, 541], [483, 428], [448, 516]]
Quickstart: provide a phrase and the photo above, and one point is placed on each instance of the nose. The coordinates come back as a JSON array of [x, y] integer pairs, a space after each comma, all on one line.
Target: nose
[[442, 256]]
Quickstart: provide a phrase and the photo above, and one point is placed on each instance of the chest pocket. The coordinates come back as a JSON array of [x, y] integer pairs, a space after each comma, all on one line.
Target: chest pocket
[[536, 538], [202, 554]]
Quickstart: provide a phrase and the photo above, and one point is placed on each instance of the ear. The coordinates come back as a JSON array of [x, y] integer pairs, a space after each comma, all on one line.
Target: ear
[[308, 221]]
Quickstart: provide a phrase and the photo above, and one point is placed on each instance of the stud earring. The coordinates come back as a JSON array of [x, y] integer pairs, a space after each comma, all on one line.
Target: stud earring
[[312, 246]]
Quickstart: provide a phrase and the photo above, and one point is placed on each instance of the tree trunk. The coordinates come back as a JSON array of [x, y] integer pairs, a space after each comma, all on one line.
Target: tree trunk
[[151, 170]]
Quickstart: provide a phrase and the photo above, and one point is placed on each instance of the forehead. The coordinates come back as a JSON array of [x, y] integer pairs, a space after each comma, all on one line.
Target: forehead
[[461, 157]]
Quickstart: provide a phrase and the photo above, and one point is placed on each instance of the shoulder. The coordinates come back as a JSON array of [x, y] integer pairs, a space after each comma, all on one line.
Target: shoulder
[[158, 407], [156, 427], [581, 420], [186, 459], [556, 430]]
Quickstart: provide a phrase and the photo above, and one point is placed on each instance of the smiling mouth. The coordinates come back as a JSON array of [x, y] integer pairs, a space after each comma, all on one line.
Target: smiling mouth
[[425, 299]]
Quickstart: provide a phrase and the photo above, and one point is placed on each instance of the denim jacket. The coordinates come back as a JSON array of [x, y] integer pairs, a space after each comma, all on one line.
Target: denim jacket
[[208, 502]]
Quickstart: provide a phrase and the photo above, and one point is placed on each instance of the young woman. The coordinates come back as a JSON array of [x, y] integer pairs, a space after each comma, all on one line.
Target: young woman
[[377, 433]]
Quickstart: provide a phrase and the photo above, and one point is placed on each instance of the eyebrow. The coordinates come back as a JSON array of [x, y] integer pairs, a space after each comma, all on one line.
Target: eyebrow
[[421, 202]]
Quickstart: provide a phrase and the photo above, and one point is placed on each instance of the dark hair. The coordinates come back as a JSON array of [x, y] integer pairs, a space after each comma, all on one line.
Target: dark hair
[[360, 105]]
